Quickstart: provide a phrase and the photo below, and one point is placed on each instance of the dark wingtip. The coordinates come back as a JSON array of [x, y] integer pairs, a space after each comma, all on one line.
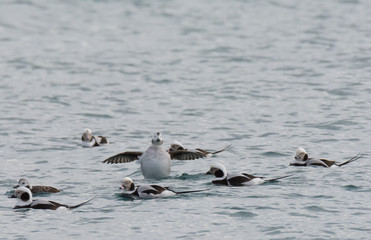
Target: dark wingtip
[[107, 161]]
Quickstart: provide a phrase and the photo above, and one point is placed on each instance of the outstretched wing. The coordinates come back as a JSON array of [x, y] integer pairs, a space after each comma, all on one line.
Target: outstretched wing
[[123, 157], [187, 154]]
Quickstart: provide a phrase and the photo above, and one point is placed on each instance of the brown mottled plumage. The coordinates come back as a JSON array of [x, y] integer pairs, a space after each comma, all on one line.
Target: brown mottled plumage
[[23, 182]]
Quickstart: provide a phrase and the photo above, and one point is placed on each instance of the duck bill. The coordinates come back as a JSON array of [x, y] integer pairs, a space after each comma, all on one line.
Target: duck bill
[[16, 186], [12, 196], [208, 173]]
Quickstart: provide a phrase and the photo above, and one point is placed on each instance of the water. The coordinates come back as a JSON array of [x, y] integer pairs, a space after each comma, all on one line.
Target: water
[[265, 76]]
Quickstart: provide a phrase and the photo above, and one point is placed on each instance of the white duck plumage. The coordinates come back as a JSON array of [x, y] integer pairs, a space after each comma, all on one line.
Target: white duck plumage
[[155, 161]]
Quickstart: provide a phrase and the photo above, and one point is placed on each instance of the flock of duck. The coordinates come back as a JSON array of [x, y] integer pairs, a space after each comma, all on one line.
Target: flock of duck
[[155, 163]]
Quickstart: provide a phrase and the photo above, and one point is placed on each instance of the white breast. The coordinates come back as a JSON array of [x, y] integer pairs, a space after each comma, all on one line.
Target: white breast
[[88, 144], [155, 162]]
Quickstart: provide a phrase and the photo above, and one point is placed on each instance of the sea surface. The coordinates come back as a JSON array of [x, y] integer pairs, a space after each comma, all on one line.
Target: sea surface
[[265, 76]]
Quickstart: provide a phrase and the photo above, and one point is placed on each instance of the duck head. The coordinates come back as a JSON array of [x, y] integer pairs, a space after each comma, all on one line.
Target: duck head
[[157, 140], [176, 146], [127, 184], [23, 182], [23, 195], [87, 135], [218, 170], [301, 155]]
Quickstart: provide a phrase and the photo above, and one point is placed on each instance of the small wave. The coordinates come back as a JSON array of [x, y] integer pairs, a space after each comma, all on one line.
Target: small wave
[[351, 188], [314, 208], [243, 214]]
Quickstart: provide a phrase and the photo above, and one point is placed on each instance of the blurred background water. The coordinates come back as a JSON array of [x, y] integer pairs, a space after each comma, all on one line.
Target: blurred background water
[[265, 76]]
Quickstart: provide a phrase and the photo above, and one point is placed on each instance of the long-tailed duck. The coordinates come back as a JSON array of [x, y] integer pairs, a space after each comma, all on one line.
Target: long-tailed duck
[[177, 146], [236, 179], [155, 161], [23, 182], [88, 140], [25, 200], [149, 191], [302, 159]]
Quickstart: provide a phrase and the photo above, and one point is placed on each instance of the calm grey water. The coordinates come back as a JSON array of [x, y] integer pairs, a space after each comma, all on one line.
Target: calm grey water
[[265, 76]]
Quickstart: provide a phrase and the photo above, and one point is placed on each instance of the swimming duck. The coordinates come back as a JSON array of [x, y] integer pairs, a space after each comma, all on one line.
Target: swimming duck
[[302, 159], [177, 146], [236, 179], [23, 182], [88, 140], [148, 191], [24, 200]]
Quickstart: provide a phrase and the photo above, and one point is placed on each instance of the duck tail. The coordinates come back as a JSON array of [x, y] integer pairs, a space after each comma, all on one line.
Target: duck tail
[[277, 178], [192, 191], [222, 150], [78, 205], [356, 157]]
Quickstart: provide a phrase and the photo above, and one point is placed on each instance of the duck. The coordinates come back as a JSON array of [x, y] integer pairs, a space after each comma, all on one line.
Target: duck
[[178, 146], [24, 200], [302, 159], [155, 162], [23, 182], [236, 179], [148, 191], [88, 140]]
